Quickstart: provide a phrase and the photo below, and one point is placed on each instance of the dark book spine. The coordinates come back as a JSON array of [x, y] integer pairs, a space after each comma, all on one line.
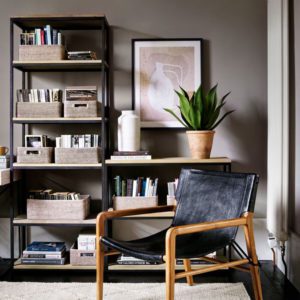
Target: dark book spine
[[129, 187], [123, 187]]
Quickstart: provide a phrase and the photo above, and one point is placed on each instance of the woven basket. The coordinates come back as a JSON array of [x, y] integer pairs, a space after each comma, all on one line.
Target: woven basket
[[35, 155], [81, 109], [39, 110], [82, 257], [38, 209], [41, 52], [77, 155], [134, 202]]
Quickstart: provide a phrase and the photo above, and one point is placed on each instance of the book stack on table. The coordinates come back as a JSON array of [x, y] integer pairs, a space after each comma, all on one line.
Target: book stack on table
[[130, 260], [128, 155], [44, 253]]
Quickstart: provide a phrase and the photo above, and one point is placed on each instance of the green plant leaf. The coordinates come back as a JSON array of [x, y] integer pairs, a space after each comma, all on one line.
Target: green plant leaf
[[184, 92], [222, 118], [174, 115], [224, 97], [184, 107]]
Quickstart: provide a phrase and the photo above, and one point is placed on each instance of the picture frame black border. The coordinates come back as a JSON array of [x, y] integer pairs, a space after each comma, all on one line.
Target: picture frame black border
[[133, 41]]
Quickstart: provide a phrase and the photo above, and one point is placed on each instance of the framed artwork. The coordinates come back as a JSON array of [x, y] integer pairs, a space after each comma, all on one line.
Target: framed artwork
[[160, 66]]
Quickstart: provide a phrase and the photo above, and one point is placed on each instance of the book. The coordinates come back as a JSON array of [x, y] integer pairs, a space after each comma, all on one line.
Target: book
[[129, 157], [131, 153], [42, 255], [46, 246], [43, 261], [27, 252]]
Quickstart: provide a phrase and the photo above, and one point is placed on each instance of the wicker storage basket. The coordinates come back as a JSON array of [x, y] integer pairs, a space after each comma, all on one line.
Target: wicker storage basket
[[5, 176], [43, 155], [82, 257], [77, 155], [39, 110], [81, 109], [41, 52], [38, 209], [134, 202], [171, 200]]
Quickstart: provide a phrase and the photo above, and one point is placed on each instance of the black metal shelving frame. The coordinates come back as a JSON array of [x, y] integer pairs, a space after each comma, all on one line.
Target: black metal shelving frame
[[81, 22]]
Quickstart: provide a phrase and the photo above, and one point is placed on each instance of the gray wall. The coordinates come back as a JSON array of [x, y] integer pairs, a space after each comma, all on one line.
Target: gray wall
[[234, 56]]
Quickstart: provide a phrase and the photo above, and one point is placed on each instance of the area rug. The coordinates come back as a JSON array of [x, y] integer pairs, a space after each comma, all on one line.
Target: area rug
[[120, 291]]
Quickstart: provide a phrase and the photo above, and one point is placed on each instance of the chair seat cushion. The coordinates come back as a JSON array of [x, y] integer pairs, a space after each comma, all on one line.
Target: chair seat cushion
[[152, 248]]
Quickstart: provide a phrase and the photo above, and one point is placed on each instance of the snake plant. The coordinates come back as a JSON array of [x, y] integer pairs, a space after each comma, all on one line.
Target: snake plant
[[200, 111]]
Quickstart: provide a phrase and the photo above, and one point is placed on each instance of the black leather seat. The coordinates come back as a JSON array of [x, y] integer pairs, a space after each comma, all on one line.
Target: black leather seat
[[202, 196], [210, 207]]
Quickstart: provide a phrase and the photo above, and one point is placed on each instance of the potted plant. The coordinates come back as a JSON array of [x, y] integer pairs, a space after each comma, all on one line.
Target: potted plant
[[200, 115]]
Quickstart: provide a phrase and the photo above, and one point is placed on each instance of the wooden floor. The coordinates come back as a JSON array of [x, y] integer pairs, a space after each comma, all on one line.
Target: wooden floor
[[274, 284]]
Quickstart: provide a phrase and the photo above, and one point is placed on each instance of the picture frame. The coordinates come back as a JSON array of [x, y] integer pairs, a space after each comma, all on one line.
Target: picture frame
[[159, 67]]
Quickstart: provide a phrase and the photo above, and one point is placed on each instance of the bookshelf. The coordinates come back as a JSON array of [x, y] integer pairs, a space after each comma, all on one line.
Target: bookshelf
[[99, 67]]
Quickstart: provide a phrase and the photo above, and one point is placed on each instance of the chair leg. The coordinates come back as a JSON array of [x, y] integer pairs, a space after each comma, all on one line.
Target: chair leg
[[187, 267], [249, 237], [170, 267], [100, 270]]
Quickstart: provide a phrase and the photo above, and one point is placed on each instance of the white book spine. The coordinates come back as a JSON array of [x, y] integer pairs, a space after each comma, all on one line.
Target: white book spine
[[134, 188], [49, 37]]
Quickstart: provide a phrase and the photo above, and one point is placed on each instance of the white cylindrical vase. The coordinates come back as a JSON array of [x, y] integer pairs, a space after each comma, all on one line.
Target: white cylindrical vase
[[129, 131]]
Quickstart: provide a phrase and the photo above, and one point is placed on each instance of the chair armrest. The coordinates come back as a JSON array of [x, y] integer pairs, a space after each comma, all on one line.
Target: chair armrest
[[103, 216]]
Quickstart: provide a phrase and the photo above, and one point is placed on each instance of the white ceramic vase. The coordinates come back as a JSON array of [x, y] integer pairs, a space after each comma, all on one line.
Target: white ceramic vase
[[129, 131]]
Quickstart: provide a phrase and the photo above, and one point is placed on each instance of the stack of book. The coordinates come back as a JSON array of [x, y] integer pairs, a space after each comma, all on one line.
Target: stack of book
[[129, 260], [41, 36], [81, 93], [39, 95], [44, 253], [78, 141], [82, 55], [141, 187], [127, 155]]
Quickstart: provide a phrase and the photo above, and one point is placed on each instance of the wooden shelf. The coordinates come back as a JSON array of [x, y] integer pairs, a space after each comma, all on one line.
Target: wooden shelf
[[170, 160], [59, 65], [19, 266], [56, 120], [23, 166], [21, 220], [61, 22]]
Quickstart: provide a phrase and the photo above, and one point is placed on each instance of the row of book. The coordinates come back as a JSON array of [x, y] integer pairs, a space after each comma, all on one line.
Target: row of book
[[49, 194], [72, 93], [39, 95], [41, 36], [143, 187], [78, 141]]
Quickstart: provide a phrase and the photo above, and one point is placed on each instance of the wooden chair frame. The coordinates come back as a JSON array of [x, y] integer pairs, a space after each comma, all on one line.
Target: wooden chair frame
[[170, 257]]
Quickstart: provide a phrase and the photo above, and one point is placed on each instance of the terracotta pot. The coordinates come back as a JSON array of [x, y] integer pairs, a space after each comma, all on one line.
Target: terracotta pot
[[200, 142]]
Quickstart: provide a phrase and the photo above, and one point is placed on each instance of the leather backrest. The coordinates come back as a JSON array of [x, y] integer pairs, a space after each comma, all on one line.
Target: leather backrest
[[205, 196]]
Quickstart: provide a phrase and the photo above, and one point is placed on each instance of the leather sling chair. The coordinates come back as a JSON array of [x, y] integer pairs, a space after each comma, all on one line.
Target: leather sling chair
[[210, 207]]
